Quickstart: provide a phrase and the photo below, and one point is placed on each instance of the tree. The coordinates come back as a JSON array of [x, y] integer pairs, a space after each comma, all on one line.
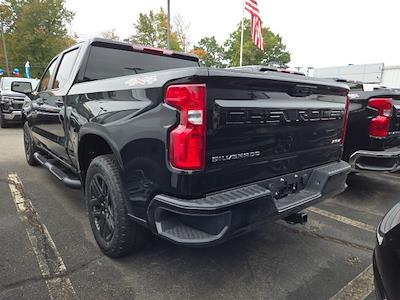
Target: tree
[[275, 51], [151, 30], [37, 32], [200, 53], [6, 16], [5, 23], [110, 34], [210, 53], [182, 29], [14, 7]]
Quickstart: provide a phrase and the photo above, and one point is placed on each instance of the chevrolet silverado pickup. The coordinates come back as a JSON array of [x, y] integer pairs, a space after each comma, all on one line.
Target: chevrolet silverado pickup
[[11, 102], [373, 133], [196, 155]]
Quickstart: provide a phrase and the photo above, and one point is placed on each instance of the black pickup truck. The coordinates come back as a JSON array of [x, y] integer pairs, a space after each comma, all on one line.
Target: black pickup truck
[[373, 133], [372, 139], [196, 155]]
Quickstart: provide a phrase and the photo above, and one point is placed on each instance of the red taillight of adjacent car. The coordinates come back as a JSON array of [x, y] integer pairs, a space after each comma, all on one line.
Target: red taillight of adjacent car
[[379, 126], [187, 142], [346, 119]]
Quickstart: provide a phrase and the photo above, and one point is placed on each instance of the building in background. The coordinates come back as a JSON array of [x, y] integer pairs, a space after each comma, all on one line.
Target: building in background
[[391, 76], [373, 74]]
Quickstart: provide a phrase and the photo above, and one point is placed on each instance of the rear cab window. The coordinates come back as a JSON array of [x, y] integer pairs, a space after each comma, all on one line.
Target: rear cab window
[[119, 60]]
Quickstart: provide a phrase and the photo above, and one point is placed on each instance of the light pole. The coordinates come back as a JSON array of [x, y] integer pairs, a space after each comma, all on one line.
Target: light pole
[[4, 49], [168, 27]]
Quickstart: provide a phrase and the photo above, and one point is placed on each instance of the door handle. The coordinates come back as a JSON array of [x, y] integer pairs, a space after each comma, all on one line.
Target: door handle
[[59, 102]]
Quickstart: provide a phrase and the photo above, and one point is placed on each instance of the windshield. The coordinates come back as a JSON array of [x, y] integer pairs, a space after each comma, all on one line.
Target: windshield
[[6, 82]]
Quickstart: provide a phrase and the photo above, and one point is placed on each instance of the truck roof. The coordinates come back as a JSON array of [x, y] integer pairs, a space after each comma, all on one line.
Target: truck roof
[[261, 68], [136, 47], [282, 74], [356, 84]]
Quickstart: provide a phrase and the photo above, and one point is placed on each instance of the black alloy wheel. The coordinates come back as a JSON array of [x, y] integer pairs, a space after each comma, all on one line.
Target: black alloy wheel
[[102, 207], [114, 231]]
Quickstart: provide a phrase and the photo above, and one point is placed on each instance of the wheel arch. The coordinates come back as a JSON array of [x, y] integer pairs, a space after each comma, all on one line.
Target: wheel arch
[[93, 143]]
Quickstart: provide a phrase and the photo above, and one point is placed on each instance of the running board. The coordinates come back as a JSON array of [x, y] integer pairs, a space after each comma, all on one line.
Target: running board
[[57, 172]]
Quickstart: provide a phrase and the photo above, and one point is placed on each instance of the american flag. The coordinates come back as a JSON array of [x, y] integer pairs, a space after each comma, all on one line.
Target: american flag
[[256, 25]]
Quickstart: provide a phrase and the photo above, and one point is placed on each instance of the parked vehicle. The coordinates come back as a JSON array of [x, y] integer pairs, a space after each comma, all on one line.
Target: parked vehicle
[[11, 102], [373, 132], [386, 259], [196, 155]]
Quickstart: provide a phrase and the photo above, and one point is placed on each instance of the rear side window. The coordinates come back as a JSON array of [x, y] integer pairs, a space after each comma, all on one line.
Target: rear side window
[[65, 69], [109, 62], [44, 83]]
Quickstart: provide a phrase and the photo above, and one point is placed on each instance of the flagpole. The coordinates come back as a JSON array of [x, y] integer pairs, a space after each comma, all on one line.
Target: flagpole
[[169, 26], [241, 36]]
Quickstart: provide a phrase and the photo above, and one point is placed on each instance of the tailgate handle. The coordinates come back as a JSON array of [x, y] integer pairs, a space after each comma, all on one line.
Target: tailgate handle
[[302, 90]]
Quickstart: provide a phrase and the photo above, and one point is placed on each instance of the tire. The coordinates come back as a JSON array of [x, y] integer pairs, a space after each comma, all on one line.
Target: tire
[[3, 122], [114, 232], [29, 146]]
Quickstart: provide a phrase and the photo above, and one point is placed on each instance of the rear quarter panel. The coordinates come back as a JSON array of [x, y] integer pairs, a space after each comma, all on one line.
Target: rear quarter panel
[[360, 116]]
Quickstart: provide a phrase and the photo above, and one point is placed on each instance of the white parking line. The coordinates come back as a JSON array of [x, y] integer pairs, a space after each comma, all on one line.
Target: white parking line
[[49, 260], [342, 219], [359, 288], [363, 285]]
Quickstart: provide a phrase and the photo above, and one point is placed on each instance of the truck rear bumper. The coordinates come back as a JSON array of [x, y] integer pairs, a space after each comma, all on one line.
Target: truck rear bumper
[[387, 160], [223, 215]]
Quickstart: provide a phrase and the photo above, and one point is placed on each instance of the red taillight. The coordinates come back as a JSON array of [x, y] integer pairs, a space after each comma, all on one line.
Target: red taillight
[[379, 126], [187, 142], [346, 118], [383, 105]]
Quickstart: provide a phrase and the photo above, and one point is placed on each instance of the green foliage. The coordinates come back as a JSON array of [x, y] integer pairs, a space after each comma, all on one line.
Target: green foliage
[[6, 16], [6, 21], [275, 51], [151, 30], [37, 32], [210, 53]]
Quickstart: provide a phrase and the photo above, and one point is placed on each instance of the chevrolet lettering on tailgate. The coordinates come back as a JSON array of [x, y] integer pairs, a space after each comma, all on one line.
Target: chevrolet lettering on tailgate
[[281, 116]]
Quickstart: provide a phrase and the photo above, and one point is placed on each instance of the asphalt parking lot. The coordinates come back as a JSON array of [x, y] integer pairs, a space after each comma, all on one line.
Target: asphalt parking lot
[[329, 258]]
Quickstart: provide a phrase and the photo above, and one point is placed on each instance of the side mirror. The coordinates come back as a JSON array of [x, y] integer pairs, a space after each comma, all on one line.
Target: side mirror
[[23, 87]]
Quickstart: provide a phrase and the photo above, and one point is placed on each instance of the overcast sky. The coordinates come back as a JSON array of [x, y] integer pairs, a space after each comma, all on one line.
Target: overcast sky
[[318, 33]]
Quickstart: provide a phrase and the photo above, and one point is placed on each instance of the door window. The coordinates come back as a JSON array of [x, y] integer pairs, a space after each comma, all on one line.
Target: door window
[[44, 83], [65, 69]]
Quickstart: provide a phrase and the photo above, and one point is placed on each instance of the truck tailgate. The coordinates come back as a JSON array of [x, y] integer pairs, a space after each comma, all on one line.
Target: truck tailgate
[[261, 127]]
